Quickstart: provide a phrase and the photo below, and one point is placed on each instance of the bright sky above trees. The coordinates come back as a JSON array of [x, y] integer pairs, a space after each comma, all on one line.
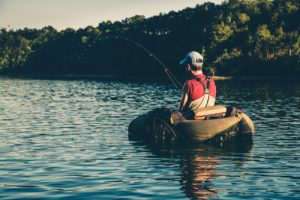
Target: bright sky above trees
[[62, 14]]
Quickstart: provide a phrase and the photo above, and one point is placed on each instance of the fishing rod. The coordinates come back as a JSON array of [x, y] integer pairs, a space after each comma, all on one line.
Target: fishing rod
[[170, 75]]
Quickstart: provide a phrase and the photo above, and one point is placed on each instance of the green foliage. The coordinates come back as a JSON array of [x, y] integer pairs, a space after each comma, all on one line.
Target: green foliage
[[222, 32], [238, 37], [243, 18], [264, 34]]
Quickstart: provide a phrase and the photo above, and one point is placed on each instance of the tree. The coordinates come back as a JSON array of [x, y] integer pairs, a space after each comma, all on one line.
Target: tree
[[264, 43], [222, 32], [238, 37]]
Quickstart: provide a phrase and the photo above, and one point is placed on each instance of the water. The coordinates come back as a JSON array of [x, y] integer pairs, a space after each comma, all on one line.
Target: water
[[68, 140]]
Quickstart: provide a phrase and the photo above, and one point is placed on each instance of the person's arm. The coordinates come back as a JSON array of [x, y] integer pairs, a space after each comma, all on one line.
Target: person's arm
[[184, 98]]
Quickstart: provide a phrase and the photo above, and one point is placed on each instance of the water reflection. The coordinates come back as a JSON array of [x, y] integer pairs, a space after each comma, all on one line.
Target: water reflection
[[200, 165], [197, 174]]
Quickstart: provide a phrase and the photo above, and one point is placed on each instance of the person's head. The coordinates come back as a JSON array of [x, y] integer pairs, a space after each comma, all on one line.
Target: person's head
[[192, 61]]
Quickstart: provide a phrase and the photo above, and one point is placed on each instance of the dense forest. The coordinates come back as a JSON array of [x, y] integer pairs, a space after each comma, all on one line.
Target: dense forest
[[237, 38]]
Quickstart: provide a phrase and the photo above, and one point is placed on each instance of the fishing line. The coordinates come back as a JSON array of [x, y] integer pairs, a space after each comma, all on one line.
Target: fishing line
[[170, 75]]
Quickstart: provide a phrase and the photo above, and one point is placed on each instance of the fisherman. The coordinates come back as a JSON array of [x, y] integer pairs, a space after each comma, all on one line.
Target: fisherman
[[199, 91]]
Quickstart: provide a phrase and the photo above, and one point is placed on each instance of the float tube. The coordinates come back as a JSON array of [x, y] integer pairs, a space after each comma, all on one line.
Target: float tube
[[216, 124]]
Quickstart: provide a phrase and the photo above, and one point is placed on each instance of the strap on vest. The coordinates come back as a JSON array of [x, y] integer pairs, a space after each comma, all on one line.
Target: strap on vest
[[205, 88]]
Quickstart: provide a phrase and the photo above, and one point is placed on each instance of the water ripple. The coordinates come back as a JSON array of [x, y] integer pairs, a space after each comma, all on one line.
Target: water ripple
[[68, 140]]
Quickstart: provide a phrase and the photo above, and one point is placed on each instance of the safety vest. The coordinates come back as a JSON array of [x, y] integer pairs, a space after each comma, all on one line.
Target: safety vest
[[206, 100]]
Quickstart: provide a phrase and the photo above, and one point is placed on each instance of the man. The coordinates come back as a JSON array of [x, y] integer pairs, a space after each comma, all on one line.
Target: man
[[198, 91]]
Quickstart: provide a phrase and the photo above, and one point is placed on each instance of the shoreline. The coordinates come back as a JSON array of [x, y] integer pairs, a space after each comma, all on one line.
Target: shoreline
[[262, 78], [118, 77]]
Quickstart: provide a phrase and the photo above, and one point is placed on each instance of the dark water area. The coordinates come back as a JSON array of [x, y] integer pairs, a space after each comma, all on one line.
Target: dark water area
[[68, 139]]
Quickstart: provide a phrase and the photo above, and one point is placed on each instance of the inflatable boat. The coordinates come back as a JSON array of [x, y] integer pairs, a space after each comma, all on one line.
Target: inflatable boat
[[216, 124]]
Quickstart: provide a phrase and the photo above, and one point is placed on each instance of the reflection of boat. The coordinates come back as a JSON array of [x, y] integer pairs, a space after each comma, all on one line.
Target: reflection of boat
[[218, 124], [200, 165], [201, 169]]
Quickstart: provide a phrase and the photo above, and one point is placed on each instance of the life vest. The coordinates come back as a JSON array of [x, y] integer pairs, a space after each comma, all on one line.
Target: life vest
[[206, 100]]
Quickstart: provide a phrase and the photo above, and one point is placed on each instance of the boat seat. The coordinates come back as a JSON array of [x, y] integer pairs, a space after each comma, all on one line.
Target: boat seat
[[201, 113], [210, 112]]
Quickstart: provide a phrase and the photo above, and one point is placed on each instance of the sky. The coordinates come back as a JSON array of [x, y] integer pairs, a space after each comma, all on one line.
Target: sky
[[62, 14]]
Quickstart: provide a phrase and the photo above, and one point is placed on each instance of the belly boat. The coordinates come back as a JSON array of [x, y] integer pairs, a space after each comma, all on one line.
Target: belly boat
[[216, 124]]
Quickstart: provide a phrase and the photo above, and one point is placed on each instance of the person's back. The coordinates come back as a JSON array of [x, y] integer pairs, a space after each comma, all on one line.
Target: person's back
[[199, 91]]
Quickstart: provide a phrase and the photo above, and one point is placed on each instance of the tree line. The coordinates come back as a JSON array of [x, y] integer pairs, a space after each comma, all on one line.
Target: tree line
[[237, 38]]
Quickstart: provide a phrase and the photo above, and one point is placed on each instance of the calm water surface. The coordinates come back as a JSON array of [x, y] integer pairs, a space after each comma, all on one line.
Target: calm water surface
[[68, 140]]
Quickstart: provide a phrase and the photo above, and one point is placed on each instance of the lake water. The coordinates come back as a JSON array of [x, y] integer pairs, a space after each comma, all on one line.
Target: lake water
[[69, 140]]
